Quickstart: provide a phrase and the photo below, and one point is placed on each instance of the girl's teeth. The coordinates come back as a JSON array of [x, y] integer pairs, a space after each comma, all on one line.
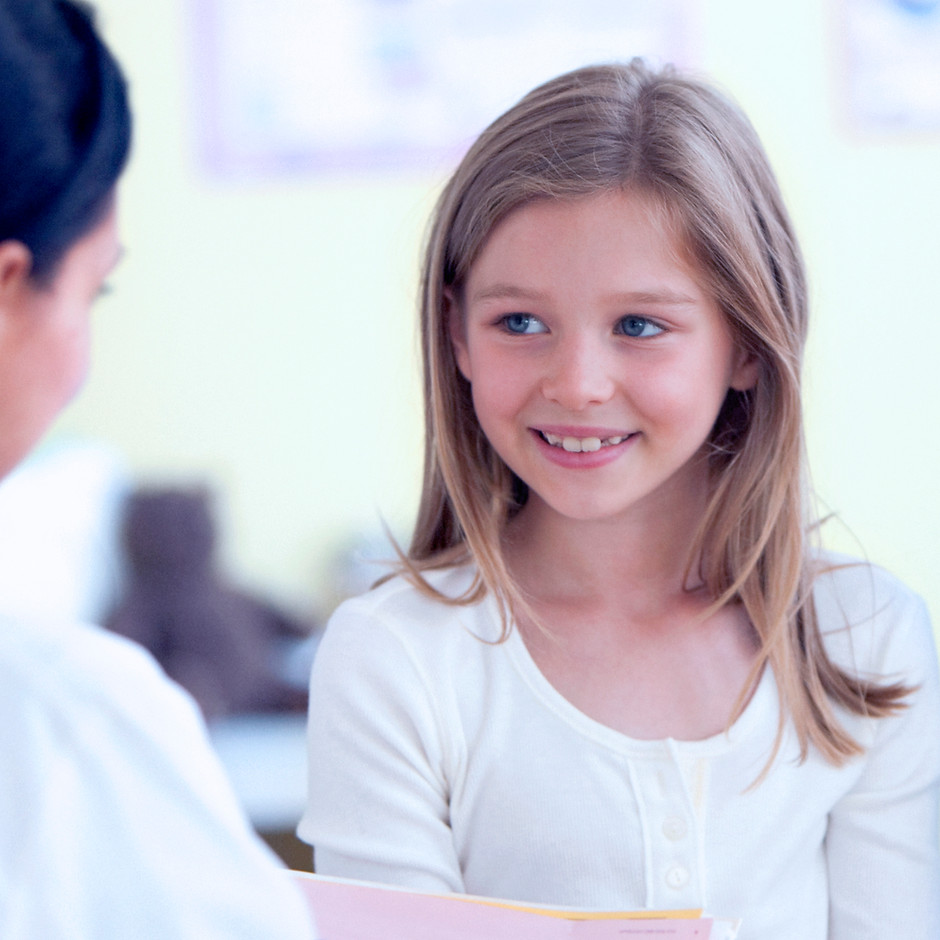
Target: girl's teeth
[[578, 445], [588, 444]]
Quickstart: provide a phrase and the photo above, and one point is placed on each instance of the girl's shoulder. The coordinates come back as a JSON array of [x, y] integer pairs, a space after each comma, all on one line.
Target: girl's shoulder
[[402, 591], [418, 614], [403, 598], [398, 647], [871, 622]]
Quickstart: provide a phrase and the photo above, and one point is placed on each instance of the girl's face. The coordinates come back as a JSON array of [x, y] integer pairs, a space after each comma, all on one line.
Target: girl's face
[[45, 334], [598, 363]]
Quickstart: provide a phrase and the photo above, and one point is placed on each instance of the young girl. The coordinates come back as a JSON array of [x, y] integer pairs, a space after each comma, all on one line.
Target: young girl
[[612, 673]]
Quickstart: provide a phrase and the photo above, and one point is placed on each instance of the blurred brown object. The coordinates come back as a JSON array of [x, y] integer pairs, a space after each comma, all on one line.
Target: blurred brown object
[[221, 644]]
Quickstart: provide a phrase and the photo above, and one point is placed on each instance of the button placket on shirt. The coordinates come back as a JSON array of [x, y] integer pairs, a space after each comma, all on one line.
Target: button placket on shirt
[[673, 851]]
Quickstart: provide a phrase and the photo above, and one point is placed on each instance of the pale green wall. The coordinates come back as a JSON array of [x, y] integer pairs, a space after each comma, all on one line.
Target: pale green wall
[[262, 335]]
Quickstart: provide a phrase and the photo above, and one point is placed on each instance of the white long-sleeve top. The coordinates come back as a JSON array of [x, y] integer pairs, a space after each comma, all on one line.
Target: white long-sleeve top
[[116, 819], [443, 762]]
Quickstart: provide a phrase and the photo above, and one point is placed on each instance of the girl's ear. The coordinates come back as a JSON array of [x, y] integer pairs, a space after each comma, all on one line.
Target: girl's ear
[[744, 371], [458, 333]]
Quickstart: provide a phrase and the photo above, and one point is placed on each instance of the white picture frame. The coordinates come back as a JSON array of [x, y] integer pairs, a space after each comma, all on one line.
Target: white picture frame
[[316, 85]]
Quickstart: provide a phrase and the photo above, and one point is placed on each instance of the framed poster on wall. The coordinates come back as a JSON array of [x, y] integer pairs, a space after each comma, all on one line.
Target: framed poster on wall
[[307, 85], [891, 64]]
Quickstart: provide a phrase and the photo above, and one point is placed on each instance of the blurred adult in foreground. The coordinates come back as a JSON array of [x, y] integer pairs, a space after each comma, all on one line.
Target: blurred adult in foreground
[[116, 820]]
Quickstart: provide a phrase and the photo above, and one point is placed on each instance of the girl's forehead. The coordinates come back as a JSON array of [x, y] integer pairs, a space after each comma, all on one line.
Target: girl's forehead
[[662, 214], [548, 221]]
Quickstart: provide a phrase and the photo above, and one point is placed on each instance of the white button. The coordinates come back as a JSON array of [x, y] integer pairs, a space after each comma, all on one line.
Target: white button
[[677, 877], [674, 828]]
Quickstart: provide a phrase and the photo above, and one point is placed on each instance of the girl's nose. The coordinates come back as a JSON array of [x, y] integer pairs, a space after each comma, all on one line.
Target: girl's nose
[[578, 374]]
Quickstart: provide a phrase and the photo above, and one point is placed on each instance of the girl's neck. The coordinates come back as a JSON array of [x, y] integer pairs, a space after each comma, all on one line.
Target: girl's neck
[[643, 555], [614, 624]]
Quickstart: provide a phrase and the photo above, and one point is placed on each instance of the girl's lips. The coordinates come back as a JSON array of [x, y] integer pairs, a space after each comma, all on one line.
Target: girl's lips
[[577, 444], [584, 449]]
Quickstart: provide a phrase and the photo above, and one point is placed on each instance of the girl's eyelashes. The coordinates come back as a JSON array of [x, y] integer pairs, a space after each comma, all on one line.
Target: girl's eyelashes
[[637, 327], [522, 323]]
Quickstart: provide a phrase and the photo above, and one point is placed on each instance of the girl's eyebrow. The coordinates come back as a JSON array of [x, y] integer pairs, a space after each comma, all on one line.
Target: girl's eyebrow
[[659, 297], [505, 292]]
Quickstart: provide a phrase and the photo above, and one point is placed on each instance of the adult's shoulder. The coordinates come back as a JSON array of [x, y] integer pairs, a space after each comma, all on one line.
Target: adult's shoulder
[[141, 828], [79, 694], [80, 665], [871, 621]]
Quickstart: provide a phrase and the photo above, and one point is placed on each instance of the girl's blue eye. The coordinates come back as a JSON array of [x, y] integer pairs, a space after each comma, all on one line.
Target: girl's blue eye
[[638, 327], [523, 323]]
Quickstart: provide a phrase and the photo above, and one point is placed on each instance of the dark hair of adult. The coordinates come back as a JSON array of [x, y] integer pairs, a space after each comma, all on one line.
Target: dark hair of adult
[[65, 127]]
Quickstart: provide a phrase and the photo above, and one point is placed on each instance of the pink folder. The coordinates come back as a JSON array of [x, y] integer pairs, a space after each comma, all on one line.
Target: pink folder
[[351, 910]]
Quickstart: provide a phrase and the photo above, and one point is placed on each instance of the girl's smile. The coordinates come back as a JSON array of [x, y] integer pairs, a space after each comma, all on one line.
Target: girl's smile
[[598, 363], [583, 448]]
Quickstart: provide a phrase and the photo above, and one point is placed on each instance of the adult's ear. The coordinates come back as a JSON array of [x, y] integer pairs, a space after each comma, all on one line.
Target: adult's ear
[[458, 332], [16, 263]]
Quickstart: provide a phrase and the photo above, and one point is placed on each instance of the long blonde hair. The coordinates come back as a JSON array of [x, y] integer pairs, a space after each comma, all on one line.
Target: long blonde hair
[[681, 142]]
